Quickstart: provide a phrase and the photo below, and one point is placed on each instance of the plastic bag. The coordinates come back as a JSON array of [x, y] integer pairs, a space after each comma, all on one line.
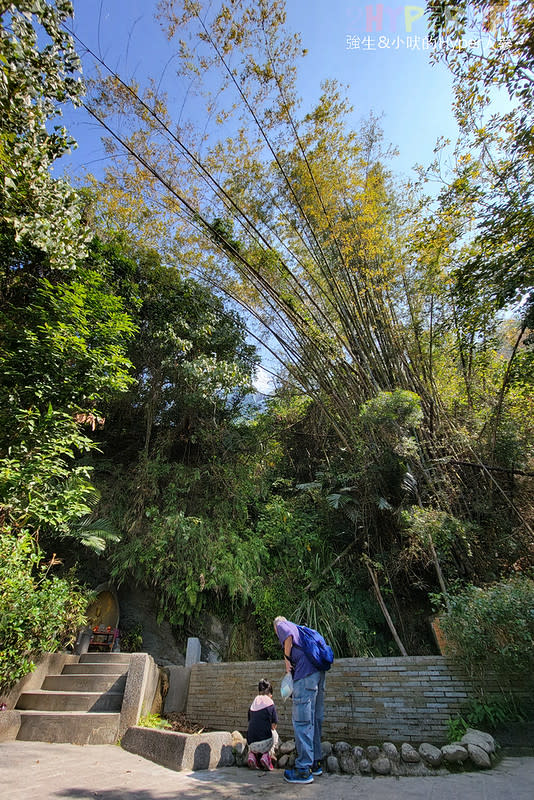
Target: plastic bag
[[286, 687]]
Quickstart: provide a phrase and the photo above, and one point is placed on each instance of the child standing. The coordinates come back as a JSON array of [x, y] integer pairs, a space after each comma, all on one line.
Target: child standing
[[262, 736]]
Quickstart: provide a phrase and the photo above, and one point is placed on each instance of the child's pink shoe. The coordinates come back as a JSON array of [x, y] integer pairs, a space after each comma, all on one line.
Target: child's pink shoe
[[251, 761], [265, 761]]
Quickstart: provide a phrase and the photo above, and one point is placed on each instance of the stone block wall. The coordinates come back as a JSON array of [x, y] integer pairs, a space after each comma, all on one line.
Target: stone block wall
[[367, 699]]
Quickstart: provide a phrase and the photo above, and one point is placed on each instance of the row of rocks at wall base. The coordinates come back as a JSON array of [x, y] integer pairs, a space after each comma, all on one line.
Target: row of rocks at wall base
[[476, 750]]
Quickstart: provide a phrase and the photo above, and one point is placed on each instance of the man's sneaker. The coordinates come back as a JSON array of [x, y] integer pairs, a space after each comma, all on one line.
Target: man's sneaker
[[265, 761], [251, 761], [317, 768], [298, 776]]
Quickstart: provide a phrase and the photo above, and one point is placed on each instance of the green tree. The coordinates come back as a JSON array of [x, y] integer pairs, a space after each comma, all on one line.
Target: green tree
[[296, 218], [63, 337]]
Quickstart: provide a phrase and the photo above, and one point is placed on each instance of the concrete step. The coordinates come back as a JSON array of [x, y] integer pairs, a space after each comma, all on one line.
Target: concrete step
[[111, 658], [39, 700], [69, 726], [84, 683], [95, 669]]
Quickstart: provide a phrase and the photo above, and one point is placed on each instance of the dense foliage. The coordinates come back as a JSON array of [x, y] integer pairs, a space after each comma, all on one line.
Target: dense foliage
[[38, 613], [492, 629], [63, 339], [393, 460]]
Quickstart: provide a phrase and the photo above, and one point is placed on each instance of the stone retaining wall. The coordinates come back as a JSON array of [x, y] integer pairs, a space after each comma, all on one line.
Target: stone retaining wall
[[367, 699]]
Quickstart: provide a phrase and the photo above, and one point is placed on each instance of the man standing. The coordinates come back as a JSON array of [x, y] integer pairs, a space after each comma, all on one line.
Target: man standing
[[308, 703]]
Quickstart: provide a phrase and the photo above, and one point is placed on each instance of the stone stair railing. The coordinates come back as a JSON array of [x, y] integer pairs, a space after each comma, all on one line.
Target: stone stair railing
[[87, 699]]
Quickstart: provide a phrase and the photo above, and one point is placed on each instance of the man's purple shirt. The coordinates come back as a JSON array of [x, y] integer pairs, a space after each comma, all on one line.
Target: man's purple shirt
[[302, 666]]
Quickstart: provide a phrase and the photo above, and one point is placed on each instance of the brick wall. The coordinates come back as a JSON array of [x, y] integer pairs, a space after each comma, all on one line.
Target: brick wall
[[367, 699]]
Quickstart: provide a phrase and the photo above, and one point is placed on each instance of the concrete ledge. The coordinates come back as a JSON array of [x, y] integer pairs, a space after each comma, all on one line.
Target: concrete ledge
[[178, 751], [9, 725]]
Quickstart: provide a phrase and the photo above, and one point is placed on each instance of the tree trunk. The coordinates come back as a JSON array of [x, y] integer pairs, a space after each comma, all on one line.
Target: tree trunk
[[385, 612]]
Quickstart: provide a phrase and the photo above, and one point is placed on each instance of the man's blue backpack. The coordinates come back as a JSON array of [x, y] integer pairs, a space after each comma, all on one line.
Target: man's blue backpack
[[316, 649]]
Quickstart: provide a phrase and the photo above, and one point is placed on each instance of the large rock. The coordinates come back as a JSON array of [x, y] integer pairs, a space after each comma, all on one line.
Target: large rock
[[480, 739], [332, 764], [358, 752], [347, 763], [409, 754], [138, 607], [391, 751], [381, 765], [287, 747], [430, 754], [373, 752], [478, 756], [342, 747], [365, 766], [454, 753], [326, 749]]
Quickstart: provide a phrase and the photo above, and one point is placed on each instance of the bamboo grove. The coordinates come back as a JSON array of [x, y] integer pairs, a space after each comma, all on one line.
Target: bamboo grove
[[396, 446]]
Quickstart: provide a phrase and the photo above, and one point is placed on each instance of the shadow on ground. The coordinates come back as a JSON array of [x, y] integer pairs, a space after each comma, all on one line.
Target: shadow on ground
[[203, 786]]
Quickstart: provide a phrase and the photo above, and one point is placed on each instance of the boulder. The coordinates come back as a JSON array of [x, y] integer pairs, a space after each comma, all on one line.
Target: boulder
[[409, 754], [373, 752], [287, 747], [283, 762], [454, 753], [326, 749], [430, 754], [391, 751], [342, 747], [478, 756], [480, 739], [381, 765], [358, 752], [364, 766], [332, 764], [347, 763]]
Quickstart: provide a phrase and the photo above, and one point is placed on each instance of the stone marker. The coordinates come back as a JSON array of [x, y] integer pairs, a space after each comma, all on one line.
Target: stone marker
[[193, 652]]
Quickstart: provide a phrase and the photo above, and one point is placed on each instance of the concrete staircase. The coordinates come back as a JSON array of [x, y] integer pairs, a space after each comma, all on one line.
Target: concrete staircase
[[82, 705]]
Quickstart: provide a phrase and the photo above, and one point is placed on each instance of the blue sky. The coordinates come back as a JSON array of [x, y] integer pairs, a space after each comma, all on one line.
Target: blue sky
[[391, 75], [374, 48]]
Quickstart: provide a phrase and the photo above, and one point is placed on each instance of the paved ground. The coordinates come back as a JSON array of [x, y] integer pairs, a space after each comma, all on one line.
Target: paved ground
[[39, 771]]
